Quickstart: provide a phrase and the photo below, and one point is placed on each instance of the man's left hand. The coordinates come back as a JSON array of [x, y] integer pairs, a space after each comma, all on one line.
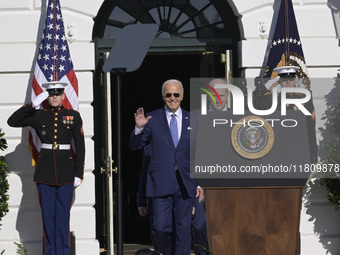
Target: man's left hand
[[200, 194]]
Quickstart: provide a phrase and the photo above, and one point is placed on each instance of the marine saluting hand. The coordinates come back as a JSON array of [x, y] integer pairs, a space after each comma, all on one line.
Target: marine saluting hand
[[39, 99], [140, 119]]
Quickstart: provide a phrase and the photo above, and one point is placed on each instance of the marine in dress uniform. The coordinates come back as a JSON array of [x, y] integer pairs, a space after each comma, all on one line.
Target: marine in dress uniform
[[57, 171], [287, 77]]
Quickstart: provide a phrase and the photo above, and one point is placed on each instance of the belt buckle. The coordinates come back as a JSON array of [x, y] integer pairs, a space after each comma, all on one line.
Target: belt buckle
[[55, 146]]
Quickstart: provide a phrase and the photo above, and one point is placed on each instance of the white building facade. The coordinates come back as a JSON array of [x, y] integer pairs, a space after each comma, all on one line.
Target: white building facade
[[22, 23]]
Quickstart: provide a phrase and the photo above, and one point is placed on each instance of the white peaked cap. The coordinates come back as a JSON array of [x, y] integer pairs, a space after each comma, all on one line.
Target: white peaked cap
[[286, 69], [54, 85]]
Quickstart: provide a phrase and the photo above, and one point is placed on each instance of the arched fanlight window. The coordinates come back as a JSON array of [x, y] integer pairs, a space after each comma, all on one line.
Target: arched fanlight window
[[176, 18]]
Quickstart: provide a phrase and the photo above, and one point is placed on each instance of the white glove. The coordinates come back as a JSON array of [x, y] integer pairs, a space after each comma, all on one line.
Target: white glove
[[271, 82], [39, 99], [77, 181]]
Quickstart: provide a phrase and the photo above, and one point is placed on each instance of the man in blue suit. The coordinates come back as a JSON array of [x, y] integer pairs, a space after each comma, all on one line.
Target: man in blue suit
[[223, 93], [200, 235], [199, 225], [169, 183], [144, 204]]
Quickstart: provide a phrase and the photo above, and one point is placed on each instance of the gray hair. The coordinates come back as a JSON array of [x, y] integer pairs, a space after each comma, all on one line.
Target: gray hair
[[217, 81], [171, 82]]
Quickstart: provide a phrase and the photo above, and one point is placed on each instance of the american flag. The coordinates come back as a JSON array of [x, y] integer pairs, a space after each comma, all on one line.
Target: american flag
[[53, 64], [286, 46]]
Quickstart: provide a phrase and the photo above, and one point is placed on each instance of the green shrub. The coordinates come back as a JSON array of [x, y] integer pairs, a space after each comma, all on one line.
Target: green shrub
[[3, 179], [21, 250], [333, 148]]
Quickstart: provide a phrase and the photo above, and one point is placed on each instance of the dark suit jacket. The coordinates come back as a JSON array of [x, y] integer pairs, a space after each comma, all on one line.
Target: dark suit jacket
[[141, 201], [164, 155]]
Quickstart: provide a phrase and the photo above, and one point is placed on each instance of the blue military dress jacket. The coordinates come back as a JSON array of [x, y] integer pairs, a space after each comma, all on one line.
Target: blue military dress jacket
[[54, 126]]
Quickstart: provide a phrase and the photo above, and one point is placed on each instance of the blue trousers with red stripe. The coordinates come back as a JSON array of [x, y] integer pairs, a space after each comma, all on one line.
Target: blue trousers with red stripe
[[55, 203]]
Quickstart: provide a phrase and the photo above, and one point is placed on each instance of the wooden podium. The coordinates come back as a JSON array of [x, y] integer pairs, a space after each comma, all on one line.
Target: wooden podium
[[256, 221], [254, 216]]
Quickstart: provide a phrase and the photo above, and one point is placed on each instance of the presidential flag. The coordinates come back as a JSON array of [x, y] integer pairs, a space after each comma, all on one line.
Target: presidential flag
[[286, 50], [53, 64], [286, 46]]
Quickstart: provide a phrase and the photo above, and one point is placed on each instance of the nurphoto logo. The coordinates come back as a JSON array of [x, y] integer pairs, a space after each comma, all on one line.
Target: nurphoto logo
[[238, 100]]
